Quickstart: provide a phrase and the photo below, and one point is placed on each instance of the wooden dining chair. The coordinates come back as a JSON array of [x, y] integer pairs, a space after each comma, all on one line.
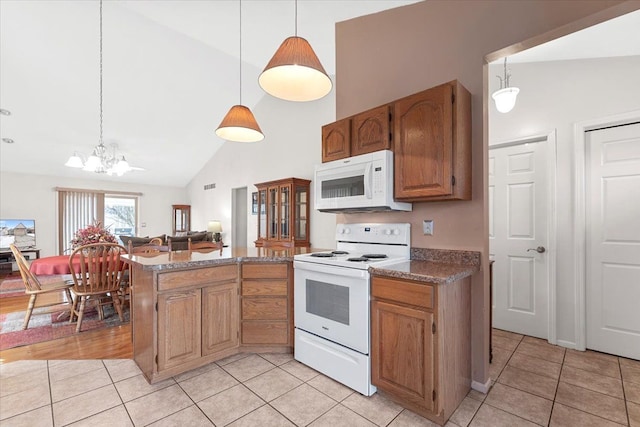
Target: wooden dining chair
[[99, 278], [34, 288], [204, 246], [148, 248]]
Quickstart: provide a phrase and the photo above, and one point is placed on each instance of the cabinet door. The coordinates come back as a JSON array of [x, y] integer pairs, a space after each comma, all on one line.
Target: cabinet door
[[370, 131], [301, 213], [285, 212], [402, 353], [272, 213], [423, 144], [179, 328], [336, 142], [219, 318]]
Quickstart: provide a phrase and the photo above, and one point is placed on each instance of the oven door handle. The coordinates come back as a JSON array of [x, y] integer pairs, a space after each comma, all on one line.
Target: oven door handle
[[328, 269]]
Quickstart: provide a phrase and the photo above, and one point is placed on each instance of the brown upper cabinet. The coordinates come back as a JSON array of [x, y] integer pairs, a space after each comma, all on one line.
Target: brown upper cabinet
[[429, 133], [432, 145]]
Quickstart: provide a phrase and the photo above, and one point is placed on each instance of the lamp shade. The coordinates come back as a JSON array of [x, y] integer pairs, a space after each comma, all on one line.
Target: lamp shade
[[505, 99], [214, 226], [295, 73], [240, 125]]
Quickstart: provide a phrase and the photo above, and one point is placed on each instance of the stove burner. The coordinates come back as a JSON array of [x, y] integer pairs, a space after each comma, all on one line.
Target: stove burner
[[322, 254], [374, 256], [339, 252], [358, 259]]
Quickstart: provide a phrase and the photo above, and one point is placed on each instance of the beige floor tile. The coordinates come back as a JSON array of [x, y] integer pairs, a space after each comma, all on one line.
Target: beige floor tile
[[488, 416], [565, 416], [157, 405], [504, 343], [376, 408], [208, 384], [24, 401], [584, 361], [495, 370], [135, 387], [407, 418], [272, 384], [72, 368], [592, 402], [229, 405], [535, 365], [340, 415], [506, 334], [629, 362], [331, 388], [121, 369], [24, 381], [528, 381], [299, 370], [526, 405], [93, 402], [232, 358], [111, 417], [632, 391], [21, 367], [302, 405], [188, 417], [630, 373], [40, 417], [264, 416], [277, 358], [195, 372], [541, 350], [592, 381], [79, 384], [593, 355], [634, 414], [248, 367], [501, 356], [465, 412], [475, 394]]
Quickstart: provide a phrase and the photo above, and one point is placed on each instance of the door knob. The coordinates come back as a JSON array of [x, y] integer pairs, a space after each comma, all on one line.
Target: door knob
[[539, 249]]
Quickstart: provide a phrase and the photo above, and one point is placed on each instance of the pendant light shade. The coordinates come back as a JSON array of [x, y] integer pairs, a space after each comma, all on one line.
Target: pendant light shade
[[505, 97], [295, 73], [240, 125]]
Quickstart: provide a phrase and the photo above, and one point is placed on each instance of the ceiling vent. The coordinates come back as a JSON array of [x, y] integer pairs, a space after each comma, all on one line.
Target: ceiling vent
[[210, 186]]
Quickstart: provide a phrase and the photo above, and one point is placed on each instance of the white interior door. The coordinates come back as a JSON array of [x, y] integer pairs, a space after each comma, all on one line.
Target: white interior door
[[613, 240], [518, 237]]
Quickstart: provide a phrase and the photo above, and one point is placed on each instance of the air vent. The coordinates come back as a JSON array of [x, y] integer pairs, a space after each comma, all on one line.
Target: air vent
[[210, 186]]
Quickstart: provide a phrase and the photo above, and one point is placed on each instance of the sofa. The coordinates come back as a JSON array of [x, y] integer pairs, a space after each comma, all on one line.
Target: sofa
[[178, 243]]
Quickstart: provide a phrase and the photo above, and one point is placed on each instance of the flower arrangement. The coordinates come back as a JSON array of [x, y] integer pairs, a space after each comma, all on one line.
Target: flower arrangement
[[93, 233]]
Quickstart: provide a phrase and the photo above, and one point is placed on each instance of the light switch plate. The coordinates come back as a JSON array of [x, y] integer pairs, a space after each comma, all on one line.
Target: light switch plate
[[427, 227]]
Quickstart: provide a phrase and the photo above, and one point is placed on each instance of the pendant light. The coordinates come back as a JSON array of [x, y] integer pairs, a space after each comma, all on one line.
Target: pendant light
[[295, 72], [505, 97], [239, 124]]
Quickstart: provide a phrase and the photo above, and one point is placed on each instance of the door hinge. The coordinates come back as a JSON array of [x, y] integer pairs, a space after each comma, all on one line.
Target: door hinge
[[390, 116], [433, 328], [156, 359], [156, 306], [453, 98], [433, 395], [453, 180], [390, 136]]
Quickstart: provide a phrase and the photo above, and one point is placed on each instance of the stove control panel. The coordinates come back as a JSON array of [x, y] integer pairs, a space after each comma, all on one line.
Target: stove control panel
[[394, 233]]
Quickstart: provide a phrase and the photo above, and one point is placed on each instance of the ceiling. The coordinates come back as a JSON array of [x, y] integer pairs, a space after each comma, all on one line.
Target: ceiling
[[171, 73]]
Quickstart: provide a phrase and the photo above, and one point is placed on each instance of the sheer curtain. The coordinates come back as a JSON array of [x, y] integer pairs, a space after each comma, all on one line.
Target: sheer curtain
[[77, 209]]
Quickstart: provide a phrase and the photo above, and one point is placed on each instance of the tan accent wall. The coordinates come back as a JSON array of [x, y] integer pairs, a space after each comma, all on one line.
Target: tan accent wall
[[392, 54]]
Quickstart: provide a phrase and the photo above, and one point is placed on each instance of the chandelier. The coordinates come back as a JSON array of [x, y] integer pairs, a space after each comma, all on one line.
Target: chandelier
[[505, 97], [101, 159]]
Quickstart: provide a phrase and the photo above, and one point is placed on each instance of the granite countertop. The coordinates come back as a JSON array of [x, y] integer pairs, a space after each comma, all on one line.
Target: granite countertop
[[438, 266], [187, 259]]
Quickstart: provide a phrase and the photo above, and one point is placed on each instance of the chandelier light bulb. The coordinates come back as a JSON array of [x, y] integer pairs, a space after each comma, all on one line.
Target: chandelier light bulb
[[93, 163], [74, 161]]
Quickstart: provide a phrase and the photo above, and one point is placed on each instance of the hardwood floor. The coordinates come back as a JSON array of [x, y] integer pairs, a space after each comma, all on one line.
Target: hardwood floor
[[110, 343]]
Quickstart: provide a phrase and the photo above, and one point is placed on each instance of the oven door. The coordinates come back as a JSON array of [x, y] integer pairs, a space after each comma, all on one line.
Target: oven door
[[333, 303]]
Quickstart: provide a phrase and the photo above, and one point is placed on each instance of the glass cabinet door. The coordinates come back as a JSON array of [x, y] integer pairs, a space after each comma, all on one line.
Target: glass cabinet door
[[262, 214], [273, 212], [285, 194], [181, 218], [300, 213]]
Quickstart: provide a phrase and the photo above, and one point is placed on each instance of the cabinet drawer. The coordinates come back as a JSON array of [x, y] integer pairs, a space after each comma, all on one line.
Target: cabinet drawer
[[264, 271], [264, 308], [264, 287], [265, 333], [402, 291], [201, 276]]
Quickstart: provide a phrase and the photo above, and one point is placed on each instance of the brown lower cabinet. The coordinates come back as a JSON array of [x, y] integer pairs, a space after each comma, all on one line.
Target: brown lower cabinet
[[420, 344], [186, 318]]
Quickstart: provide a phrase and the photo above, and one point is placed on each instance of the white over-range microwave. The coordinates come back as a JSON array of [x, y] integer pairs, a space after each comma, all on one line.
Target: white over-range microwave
[[361, 183]]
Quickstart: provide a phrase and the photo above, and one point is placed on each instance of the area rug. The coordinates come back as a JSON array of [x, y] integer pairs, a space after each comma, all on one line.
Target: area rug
[[47, 324], [12, 286]]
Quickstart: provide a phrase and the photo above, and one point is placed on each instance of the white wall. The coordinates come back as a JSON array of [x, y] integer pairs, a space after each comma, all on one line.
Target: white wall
[[554, 96], [291, 148], [34, 197]]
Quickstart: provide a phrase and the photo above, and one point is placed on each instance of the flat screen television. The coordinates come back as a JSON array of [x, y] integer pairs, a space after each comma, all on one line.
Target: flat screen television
[[20, 232]]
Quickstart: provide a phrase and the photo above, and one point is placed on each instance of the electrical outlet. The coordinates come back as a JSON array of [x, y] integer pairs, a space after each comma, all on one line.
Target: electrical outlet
[[427, 227]]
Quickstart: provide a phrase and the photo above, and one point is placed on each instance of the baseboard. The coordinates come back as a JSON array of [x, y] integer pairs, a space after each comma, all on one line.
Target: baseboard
[[566, 344], [482, 388]]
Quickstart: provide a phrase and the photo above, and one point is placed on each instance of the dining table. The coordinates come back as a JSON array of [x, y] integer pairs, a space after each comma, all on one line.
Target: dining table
[[57, 264]]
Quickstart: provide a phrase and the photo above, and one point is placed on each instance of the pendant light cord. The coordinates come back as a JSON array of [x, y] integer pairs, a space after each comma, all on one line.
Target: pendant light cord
[[296, 9], [101, 72], [240, 52]]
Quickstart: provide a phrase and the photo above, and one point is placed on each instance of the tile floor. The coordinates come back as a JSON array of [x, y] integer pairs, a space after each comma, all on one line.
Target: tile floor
[[537, 384]]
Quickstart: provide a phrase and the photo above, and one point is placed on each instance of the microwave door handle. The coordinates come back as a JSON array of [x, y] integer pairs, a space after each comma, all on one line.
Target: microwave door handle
[[367, 180]]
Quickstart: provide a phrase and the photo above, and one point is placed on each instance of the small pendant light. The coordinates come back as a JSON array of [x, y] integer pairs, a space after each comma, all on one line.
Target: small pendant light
[[239, 124], [295, 72], [505, 97]]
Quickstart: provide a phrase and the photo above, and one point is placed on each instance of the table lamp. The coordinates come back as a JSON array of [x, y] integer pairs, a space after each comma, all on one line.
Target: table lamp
[[215, 227]]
